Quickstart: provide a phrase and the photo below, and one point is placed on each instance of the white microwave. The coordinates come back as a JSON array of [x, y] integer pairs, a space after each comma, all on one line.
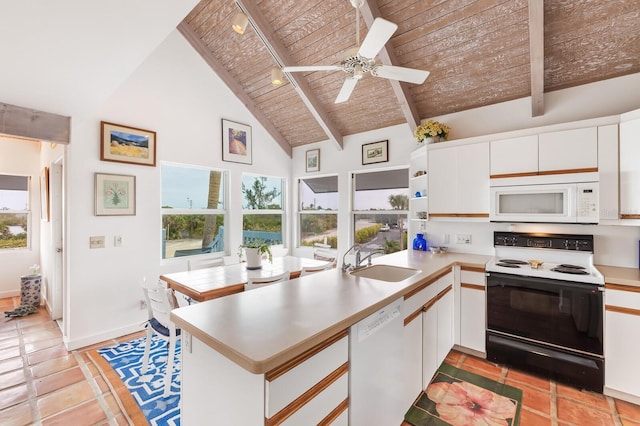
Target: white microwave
[[551, 203]]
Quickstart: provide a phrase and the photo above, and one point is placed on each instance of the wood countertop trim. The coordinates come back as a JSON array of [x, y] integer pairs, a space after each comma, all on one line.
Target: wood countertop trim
[[472, 269], [545, 172]]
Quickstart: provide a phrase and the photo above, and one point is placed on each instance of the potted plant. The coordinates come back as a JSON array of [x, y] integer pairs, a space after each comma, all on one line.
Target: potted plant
[[254, 250], [431, 131]]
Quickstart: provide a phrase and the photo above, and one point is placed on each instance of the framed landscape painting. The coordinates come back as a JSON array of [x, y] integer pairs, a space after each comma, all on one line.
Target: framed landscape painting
[[376, 152], [125, 144], [115, 195], [313, 160], [236, 142]]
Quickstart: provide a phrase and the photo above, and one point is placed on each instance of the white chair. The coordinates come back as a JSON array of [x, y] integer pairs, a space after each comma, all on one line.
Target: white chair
[[324, 254], [254, 283], [160, 302], [193, 264], [307, 270]]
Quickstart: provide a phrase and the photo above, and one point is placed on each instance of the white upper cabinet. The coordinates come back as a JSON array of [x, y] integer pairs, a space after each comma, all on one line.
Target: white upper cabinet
[[630, 165], [459, 181], [608, 171], [517, 156], [571, 151]]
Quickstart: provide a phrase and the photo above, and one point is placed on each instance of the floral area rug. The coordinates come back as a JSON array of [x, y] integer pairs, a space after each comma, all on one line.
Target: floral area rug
[[458, 397], [140, 396]]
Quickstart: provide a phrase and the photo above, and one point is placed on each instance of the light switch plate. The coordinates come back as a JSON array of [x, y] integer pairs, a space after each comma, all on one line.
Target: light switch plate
[[96, 242]]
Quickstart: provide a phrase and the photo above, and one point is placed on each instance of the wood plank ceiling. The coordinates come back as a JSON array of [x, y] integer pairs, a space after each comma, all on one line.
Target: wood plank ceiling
[[478, 52]]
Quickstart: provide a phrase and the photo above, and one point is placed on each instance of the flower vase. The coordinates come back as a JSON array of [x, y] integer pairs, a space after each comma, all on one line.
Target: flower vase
[[429, 139], [254, 258]]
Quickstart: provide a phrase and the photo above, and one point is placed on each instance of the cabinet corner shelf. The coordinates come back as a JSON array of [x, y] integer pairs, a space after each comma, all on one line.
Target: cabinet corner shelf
[[419, 198]]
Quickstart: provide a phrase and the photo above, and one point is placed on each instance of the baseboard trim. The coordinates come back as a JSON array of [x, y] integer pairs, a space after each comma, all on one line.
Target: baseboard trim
[[5, 294], [469, 351], [73, 344], [621, 395]]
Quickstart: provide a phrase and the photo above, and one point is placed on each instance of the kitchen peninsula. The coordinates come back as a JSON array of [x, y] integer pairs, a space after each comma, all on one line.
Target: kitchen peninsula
[[280, 354]]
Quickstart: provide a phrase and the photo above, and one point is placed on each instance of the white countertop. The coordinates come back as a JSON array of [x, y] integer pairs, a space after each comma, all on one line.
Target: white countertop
[[263, 328]]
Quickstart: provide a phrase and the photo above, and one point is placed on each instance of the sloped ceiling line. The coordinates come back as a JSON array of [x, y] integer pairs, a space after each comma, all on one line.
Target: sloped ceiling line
[[233, 85], [370, 12], [282, 57]]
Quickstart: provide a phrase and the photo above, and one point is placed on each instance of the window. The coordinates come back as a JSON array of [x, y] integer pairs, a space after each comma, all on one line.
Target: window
[[318, 211], [14, 211], [263, 211], [193, 210], [381, 205]]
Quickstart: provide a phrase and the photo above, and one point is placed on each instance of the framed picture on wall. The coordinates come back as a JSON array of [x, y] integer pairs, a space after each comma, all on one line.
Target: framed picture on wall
[[115, 195], [236, 142], [375, 152], [44, 194], [313, 160], [124, 144]]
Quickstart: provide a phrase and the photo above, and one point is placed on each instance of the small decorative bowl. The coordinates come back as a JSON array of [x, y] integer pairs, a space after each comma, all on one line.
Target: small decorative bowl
[[438, 250], [422, 215]]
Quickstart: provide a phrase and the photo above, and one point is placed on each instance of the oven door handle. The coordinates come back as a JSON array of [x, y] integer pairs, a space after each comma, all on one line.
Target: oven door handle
[[498, 278]]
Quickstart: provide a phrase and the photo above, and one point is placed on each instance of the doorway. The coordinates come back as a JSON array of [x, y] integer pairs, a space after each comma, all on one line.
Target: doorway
[[57, 241]]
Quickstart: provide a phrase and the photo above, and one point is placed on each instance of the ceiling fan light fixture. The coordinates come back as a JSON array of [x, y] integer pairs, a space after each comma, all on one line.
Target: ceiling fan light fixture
[[240, 22], [357, 72], [277, 78]]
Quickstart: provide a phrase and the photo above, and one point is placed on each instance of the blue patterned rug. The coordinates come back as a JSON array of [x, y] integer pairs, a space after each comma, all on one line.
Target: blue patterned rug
[[146, 390]]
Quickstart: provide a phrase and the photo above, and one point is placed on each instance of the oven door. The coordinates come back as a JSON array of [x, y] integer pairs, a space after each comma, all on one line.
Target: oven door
[[560, 313]]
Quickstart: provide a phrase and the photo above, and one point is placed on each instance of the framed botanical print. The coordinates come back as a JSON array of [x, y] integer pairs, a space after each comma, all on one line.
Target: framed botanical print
[[115, 195]]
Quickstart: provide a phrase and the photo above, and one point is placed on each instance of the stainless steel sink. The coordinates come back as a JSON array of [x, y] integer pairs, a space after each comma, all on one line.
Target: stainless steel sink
[[385, 273]]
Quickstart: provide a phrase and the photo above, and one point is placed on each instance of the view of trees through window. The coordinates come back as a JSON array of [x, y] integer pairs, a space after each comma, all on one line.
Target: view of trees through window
[[14, 211], [381, 205], [262, 203], [318, 212], [193, 211]]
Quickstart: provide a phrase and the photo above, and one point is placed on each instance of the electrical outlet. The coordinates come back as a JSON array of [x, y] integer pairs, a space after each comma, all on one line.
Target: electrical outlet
[[463, 238], [186, 339], [143, 304], [96, 242]]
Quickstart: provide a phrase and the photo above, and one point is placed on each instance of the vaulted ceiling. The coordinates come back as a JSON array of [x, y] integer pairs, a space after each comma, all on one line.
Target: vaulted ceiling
[[478, 52]]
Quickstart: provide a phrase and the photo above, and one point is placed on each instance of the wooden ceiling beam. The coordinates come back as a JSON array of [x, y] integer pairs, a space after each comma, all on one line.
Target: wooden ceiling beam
[[370, 12], [233, 85], [536, 54], [283, 58], [33, 124]]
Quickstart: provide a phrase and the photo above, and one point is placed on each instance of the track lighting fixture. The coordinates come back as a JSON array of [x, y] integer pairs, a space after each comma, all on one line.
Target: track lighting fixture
[[240, 23], [276, 76]]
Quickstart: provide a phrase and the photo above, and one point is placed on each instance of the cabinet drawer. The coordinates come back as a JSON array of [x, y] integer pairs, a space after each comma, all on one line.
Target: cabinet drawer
[[283, 385], [622, 299], [414, 301], [472, 277], [334, 398]]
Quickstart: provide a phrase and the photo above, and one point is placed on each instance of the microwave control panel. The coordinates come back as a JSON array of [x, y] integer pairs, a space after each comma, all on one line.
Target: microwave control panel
[[587, 200]]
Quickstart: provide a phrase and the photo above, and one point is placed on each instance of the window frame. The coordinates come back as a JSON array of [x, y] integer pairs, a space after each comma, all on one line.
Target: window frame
[[28, 212], [190, 211], [301, 212]]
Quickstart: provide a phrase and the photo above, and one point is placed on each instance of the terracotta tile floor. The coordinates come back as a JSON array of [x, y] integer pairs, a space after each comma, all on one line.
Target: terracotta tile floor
[[42, 383], [545, 402]]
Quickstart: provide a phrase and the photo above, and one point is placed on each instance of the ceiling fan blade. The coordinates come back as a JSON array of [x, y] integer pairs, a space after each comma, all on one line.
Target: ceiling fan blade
[[312, 68], [379, 34], [410, 75], [347, 87]]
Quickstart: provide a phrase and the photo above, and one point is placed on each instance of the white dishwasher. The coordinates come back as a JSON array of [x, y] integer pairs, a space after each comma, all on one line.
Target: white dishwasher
[[375, 368]]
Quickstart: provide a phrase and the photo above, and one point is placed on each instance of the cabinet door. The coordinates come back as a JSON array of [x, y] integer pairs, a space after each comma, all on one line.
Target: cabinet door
[[630, 169], [568, 150], [429, 344], [413, 360], [608, 171], [472, 318], [473, 179], [443, 187], [515, 156], [445, 327]]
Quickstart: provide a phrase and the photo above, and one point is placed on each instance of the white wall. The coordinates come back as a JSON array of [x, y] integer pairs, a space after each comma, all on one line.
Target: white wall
[[177, 95], [615, 245], [21, 157]]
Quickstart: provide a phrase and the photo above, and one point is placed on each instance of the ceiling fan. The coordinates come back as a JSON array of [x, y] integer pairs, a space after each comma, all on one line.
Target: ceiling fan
[[361, 60]]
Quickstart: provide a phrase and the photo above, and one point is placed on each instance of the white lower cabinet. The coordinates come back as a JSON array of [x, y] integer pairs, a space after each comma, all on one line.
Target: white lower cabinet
[[472, 316], [437, 332], [622, 346]]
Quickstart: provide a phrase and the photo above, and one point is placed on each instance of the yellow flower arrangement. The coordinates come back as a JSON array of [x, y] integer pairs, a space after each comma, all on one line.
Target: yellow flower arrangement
[[431, 129]]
